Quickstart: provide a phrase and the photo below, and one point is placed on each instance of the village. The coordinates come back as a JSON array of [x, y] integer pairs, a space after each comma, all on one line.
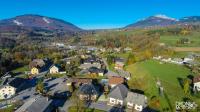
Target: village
[[95, 85], [86, 81]]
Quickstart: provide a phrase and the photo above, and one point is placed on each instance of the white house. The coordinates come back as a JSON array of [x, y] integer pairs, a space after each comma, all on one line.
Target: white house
[[196, 82], [7, 91], [54, 69], [136, 101]]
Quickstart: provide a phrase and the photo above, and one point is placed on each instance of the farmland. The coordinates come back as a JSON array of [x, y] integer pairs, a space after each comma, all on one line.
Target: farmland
[[169, 75]]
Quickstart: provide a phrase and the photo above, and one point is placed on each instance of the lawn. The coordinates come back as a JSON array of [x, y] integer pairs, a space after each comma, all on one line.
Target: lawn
[[148, 72], [21, 69], [73, 109]]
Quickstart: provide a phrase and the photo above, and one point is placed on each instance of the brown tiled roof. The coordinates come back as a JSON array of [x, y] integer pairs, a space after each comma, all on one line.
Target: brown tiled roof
[[196, 79], [116, 80]]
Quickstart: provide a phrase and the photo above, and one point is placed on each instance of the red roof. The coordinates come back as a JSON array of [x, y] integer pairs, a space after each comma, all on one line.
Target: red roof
[[196, 79], [115, 80]]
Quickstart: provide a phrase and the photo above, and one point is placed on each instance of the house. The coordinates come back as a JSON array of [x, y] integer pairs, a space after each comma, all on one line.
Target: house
[[7, 91], [37, 104], [125, 74], [10, 87], [157, 57], [176, 61], [127, 49], [196, 82], [36, 66], [16, 82], [89, 65], [117, 49], [87, 92], [92, 60], [78, 81], [115, 80], [188, 58], [94, 70], [35, 70], [54, 69], [136, 101], [119, 63], [117, 95]]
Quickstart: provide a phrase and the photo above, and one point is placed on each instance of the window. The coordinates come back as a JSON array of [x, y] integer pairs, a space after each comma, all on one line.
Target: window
[[138, 107], [112, 100]]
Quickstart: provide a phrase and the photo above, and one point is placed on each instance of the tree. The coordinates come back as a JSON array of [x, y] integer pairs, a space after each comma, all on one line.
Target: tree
[[40, 86], [71, 88], [186, 86], [131, 59], [110, 59], [79, 104]]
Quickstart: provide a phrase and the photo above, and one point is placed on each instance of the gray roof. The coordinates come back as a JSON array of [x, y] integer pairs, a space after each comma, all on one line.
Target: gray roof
[[57, 85], [136, 98], [86, 66], [15, 82], [124, 73], [119, 92], [122, 60], [88, 89], [35, 104]]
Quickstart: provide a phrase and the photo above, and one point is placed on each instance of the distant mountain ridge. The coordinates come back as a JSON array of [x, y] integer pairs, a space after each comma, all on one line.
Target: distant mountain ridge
[[30, 21], [162, 21]]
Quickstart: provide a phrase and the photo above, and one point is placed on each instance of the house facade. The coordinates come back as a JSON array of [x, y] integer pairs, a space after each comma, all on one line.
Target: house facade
[[121, 96], [119, 63], [136, 101], [35, 71], [54, 69], [7, 91], [87, 92]]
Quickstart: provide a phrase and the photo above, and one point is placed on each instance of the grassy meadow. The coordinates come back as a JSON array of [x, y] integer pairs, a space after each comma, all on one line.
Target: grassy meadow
[[145, 74]]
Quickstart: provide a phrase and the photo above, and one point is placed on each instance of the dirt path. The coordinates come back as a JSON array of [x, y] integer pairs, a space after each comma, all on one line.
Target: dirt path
[[185, 49]]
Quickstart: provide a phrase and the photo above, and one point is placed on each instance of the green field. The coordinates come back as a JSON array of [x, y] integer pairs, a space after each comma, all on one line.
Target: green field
[[21, 69], [172, 40], [148, 72]]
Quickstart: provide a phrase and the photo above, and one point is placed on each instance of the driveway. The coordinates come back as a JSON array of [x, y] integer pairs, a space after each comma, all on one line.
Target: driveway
[[100, 105]]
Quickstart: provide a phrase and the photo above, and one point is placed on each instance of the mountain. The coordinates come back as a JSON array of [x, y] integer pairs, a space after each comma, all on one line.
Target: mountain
[[163, 21], [36, 23], [152, 21], [190, 19]]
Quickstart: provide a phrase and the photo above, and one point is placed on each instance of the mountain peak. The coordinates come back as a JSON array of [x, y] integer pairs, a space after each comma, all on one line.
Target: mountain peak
[[164, 17]]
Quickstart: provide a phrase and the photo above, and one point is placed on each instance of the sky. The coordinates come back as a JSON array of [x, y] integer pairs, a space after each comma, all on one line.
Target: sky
[[100, 14]]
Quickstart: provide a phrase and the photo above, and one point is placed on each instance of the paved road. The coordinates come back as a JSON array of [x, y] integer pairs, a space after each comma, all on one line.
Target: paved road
[[65, 106], [100, 105]]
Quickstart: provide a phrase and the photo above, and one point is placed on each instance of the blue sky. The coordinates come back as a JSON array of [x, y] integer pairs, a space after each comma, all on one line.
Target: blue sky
[[98, 14]]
